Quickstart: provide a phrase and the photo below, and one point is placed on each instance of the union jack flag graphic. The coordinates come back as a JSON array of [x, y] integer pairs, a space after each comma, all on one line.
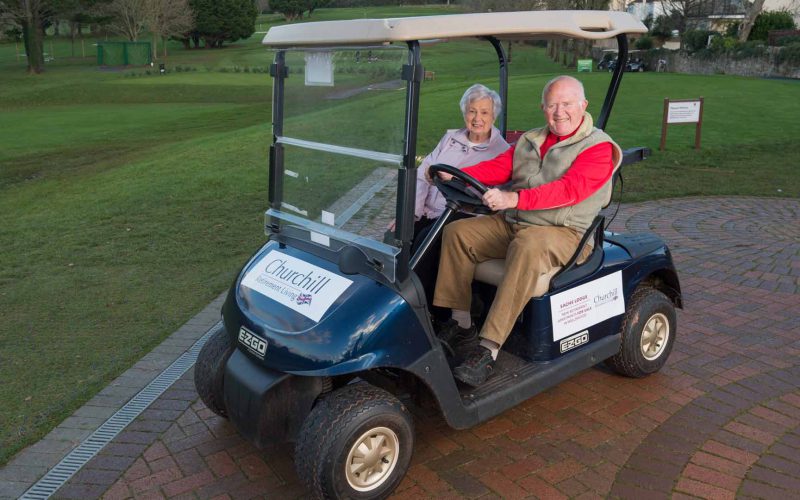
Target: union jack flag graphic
[[304, 298]]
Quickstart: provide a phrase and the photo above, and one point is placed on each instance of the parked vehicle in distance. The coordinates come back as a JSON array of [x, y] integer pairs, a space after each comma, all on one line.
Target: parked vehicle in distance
[[608, 58], [636, 65]]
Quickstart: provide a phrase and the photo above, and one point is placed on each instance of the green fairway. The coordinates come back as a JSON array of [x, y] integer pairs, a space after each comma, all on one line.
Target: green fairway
[[128, 201]]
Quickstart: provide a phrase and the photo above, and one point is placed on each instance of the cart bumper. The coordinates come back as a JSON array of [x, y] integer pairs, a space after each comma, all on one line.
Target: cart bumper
[[264, 405]]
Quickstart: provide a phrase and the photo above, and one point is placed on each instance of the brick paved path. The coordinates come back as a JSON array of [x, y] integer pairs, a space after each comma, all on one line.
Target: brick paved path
[[721, 420]]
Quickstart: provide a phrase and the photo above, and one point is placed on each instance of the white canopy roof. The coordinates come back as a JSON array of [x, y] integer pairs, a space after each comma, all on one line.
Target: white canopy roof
[[587, 24]]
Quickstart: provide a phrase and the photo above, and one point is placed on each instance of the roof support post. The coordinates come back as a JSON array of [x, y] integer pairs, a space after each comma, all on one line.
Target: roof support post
[[407, 176], [616, 78], [279, 72], [503, 59]]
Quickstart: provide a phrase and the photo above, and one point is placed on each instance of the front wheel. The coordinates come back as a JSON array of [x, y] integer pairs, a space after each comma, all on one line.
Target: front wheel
[[648, 334], [209, 370], [355, 443]]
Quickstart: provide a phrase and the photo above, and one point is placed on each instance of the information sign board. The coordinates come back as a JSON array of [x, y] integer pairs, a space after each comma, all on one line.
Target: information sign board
[[680, 111]]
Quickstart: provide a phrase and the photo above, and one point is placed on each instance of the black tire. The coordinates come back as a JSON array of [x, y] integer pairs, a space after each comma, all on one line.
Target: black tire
[[648, 334], [209, 370], [327, 442]]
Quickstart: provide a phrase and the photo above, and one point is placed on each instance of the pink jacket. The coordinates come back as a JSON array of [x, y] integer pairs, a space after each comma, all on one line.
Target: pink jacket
[[453, 149]]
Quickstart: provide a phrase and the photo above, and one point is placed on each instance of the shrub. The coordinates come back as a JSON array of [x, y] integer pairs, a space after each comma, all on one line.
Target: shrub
[[663, 25], [790, 54], [787, 40], [645, 43], [749, 49], [770, 20], [724, 43], [694, 40]]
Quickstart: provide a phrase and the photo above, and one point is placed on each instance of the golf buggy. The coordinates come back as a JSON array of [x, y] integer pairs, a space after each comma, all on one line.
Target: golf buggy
[[326, 338]]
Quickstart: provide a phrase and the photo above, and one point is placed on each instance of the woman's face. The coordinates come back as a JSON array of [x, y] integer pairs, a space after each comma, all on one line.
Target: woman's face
[[479, 118]]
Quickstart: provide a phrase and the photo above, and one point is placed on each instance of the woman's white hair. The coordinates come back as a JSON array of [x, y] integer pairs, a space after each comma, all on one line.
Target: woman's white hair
[[558, 79], [477, 92]]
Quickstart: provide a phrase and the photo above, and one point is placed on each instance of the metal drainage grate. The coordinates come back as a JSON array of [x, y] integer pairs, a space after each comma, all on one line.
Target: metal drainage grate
[[78, 457]]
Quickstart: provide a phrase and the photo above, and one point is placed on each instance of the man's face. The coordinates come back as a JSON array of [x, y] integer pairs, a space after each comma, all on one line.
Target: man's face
[[564, 107]]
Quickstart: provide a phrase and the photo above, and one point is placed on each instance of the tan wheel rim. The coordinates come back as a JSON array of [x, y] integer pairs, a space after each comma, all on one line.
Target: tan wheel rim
[[372, 459], [655, 336]]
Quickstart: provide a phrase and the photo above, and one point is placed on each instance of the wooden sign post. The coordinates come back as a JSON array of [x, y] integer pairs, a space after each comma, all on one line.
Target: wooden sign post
[[682, 111]]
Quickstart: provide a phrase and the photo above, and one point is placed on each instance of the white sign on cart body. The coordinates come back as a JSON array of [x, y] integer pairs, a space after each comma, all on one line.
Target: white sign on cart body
[[587, 305], [303, 287], [683, 112]]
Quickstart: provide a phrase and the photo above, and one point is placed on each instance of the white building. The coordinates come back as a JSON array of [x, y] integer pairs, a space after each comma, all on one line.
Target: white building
[[646, 8]]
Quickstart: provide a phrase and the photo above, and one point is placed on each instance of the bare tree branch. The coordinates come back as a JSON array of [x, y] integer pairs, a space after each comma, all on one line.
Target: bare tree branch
[[127, 17], [166, 18]]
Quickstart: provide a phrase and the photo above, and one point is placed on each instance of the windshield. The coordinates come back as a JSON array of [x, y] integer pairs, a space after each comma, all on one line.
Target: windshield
[[342, 141]]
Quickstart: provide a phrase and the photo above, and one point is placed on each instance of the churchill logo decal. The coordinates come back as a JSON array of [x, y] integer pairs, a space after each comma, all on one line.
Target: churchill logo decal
[[586, 305], [298, 285]]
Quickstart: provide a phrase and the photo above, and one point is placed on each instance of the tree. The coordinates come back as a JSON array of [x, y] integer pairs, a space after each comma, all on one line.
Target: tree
[[167, 18], [127, 17], [663, 27], [76, 13], [315, 4], [217, 21], [291, 9], [771, 20], [30, 16], [680, 11], [752, 12], [569, 51]]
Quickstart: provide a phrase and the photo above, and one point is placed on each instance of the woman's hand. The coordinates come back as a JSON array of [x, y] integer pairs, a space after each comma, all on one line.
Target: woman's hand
[[500, 200], [442, 175]]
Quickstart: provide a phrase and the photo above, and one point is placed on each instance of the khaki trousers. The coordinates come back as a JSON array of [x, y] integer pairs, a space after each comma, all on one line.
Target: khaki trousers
[[529, 253]]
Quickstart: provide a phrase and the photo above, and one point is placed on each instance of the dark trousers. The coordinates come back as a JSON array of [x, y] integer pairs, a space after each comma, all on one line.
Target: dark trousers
[[428, 266]]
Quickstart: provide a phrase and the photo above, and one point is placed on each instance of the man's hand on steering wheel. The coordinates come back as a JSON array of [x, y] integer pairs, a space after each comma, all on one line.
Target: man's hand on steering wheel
[[493, 198], [500, 200]]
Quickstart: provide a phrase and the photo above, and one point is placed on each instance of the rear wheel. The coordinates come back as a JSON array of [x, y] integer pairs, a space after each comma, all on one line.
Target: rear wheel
[[355, 443], [209, 370], [648, 334]]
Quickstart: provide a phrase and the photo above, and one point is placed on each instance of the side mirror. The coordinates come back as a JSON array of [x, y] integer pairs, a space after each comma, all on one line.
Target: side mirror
[[352, 260]]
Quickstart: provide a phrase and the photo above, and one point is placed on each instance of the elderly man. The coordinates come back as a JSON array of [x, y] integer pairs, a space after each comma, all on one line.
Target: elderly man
[[561, 177]]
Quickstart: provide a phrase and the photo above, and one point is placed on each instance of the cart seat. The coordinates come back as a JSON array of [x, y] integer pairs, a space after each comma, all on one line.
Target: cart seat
[[512, 136], [492, 271]]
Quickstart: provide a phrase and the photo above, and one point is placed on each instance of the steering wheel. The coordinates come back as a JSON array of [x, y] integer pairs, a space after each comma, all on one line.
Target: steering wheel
[[462, 189]]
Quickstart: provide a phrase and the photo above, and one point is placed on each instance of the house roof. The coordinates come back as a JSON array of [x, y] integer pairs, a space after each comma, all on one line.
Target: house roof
[[586, 24]]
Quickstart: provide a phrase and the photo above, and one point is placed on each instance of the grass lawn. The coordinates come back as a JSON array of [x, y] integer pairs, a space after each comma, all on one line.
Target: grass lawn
[[128, 202]]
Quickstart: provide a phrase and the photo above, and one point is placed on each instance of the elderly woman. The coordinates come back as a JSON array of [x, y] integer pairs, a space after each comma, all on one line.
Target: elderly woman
[[479, 140]]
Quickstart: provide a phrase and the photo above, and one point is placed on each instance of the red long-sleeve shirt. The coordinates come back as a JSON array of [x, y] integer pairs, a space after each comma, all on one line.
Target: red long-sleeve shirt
[[588, 173]]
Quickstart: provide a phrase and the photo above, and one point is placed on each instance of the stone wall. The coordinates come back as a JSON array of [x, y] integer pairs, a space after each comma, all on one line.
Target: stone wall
[[764, 66]]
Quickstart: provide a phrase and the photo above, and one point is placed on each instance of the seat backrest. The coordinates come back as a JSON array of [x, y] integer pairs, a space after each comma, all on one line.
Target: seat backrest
[[512, 136]]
